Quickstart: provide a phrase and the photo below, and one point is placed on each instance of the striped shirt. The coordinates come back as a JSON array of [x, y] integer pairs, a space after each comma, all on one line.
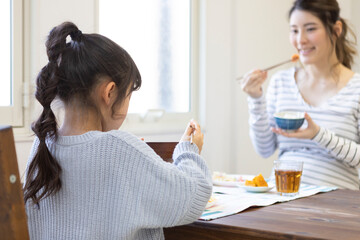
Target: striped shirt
[[332, 157]]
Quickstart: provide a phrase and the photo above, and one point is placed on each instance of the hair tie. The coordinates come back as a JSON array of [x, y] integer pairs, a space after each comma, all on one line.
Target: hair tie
[[76, 35], [47, 108]]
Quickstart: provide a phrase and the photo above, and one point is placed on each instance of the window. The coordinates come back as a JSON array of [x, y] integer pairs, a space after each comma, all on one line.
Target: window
[[158, 35], [11, 107], [5, 46]]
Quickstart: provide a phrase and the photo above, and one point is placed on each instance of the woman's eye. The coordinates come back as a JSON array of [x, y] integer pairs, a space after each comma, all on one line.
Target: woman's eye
[[294, 31], [310, 29]]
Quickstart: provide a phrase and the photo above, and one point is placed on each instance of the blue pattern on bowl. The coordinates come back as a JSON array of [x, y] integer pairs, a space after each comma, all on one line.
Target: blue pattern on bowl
[[288, 120]]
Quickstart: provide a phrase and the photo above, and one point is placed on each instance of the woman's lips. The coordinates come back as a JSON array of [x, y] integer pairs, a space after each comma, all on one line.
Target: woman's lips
[[306, 51]]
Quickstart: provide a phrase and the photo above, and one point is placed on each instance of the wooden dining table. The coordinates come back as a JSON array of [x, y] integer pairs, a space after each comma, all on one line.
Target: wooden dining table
[[330, 215]]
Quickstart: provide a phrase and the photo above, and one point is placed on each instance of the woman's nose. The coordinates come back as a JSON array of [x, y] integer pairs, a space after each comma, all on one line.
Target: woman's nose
[[301, 38]]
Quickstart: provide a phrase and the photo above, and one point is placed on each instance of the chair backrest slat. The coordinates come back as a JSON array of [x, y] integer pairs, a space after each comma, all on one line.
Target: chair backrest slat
[[164, 149], [13, 223]]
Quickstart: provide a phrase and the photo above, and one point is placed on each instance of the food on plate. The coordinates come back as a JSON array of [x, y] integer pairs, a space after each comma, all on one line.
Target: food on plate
[[257, 181], [212, 199], [211, 202], [260, 181], [250, 183]]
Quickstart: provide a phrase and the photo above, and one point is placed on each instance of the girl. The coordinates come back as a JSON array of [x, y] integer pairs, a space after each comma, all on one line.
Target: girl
[[88, 180], [325, 87]]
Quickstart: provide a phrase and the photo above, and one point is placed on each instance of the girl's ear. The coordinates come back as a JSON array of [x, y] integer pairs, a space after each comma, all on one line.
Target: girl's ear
[[338, 28], [108, 92]]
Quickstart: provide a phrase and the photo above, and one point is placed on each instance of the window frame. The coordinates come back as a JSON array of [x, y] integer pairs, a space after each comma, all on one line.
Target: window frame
[[14, 115], [166, 122]]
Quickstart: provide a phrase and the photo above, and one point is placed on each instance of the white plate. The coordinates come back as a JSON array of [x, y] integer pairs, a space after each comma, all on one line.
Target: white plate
[[225, 183], [232, 183], [256, 189]]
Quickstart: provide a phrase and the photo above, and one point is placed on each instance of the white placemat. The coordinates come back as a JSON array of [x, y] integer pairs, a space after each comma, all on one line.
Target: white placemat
[[232, 200]]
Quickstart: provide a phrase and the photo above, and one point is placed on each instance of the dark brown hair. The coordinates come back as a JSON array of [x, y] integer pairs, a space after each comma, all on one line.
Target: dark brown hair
[[328, 12], [73, 70]]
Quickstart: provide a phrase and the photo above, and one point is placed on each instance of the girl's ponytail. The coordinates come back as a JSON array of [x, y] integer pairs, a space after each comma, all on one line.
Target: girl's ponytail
[[43, 173]]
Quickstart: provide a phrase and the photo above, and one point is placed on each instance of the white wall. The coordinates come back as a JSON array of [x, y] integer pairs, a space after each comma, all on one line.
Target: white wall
[[261, 40], [354, 17], [218, 81], [236, 36]]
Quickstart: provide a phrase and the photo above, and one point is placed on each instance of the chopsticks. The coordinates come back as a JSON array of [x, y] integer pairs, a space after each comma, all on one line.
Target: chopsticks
[[294, 58], [191, 136]]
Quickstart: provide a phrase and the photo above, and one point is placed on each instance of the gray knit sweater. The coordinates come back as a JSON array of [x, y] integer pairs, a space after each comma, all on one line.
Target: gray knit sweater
[[114, 186]]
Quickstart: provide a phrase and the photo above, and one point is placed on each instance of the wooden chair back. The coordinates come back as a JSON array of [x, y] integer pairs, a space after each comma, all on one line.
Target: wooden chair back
[[13, 222], [164, 149]]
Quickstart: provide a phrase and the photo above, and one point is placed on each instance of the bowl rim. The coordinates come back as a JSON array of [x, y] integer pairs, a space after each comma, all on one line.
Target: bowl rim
[[275, 115]]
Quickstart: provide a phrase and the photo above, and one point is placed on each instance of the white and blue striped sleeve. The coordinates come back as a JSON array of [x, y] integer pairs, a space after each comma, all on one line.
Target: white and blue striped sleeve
[[341, 148], [263, 139]]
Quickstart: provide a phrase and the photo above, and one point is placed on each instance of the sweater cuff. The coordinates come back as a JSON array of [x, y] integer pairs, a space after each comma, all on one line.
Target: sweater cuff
[[202, 196], [258, 99], [183, 147]]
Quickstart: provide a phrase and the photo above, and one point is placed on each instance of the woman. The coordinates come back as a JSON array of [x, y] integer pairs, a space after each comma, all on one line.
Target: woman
[[88, 180], [324, 87]]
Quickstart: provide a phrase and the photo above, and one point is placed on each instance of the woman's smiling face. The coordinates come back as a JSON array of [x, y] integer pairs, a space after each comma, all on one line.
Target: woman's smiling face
[[308, 35]]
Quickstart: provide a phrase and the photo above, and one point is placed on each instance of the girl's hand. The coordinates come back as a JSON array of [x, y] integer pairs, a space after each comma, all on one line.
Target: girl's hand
[[252, 83], [305, 133], [193, 133]]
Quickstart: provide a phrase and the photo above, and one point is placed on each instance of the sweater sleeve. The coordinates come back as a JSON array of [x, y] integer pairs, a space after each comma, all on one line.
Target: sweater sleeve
[[189, 162], [176, 193], [341, 148]]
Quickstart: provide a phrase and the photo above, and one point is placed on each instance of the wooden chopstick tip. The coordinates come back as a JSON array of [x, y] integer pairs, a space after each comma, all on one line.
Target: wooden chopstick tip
[[294, 58], [191, 135]]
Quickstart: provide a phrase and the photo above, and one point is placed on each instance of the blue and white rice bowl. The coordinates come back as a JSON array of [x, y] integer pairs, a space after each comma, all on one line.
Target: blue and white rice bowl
[[289, 120]]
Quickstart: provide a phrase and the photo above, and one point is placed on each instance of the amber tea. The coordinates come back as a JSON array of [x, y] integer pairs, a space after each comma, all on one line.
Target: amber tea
[[287, 181], [287, 177]]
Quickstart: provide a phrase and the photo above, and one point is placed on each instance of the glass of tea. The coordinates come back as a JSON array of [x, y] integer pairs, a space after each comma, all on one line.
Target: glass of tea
[[287, 177]]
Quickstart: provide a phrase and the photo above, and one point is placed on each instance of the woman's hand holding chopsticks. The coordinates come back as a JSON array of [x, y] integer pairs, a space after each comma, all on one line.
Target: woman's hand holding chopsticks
[[252, 83]]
